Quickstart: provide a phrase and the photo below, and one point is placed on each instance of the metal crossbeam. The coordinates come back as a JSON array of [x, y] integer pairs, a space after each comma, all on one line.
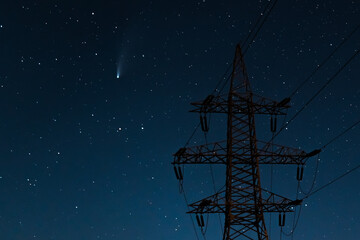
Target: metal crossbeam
[[261, 105], [216, 204], [243, 202], [215, 153]]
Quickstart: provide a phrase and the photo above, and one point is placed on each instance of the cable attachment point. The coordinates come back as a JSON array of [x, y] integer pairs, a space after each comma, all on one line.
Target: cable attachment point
[[284, 102], [203, 111], [281, 219], [204, 123], [179, 154], [313, 153], [177, 169], [273, 123], [300, 173], [200, 220], [296, 202], [199, 216], [178, 173]]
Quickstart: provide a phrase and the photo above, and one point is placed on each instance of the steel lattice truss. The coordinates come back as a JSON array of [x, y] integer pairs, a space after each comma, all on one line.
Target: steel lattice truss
[[243, 202]]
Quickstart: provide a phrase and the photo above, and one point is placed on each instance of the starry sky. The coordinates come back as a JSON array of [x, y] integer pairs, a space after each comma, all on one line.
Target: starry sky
[[94, 99]]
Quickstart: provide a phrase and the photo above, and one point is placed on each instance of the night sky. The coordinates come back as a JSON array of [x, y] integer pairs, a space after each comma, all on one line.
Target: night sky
[[95, 99]]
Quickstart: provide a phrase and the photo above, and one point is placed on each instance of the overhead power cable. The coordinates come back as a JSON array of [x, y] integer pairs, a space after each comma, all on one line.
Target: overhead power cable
[[187, 204], [261, 25], [345, 39], [314, 178], [257, 23], [343, 175], [332, 140], [311, 192], [214, 185], [267, 13], [333, 181], [226, 72], [341, 134], [221, 80], [318, 92], [192, 135], [263, 16]]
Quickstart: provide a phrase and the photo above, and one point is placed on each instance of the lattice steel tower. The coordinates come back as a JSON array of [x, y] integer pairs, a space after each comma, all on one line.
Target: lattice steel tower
[[243, 201]]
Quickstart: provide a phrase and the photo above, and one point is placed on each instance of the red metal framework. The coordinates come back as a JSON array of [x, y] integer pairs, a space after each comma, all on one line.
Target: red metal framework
[[243, 201]]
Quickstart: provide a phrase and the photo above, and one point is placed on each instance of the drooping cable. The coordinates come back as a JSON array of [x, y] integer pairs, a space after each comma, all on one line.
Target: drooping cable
[[314, 178], [323, 147], [213, 182], [187, 204], [294, 226], [295, 218], [310, 191]]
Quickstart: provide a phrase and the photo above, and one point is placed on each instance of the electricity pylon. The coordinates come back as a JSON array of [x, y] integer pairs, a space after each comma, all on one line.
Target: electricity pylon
[[243, 202]]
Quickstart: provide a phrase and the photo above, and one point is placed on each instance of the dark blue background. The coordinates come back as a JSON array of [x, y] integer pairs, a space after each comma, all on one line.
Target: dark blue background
[[85, 155]]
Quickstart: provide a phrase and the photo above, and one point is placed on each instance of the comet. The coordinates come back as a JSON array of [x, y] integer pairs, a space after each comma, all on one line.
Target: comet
[[118, 71]]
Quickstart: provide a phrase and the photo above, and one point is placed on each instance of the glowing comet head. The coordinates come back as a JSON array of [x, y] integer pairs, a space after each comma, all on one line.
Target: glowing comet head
[[118, 71], [119, 66]]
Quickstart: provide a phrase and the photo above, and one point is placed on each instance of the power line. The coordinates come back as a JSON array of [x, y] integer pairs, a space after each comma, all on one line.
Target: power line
[[317, 190], [230, 65], [261, 25], [318, 92], [313, 73], [296, 90], [295, 222], [239, 176], [333, 181], [343, 175], [314, 179], [213, 182], [294, 225], [187, 204], [192, 135], [245, 41], [310, 192], [223, 78], [256, 24], [325, 60], [223, 86], [341, 134]]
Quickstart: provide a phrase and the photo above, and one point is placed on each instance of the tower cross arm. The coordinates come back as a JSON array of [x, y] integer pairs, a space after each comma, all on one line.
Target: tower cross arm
[[275, 203], [269, 153], [241, 101], [212, 153], [215, 153], [271, 202]]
